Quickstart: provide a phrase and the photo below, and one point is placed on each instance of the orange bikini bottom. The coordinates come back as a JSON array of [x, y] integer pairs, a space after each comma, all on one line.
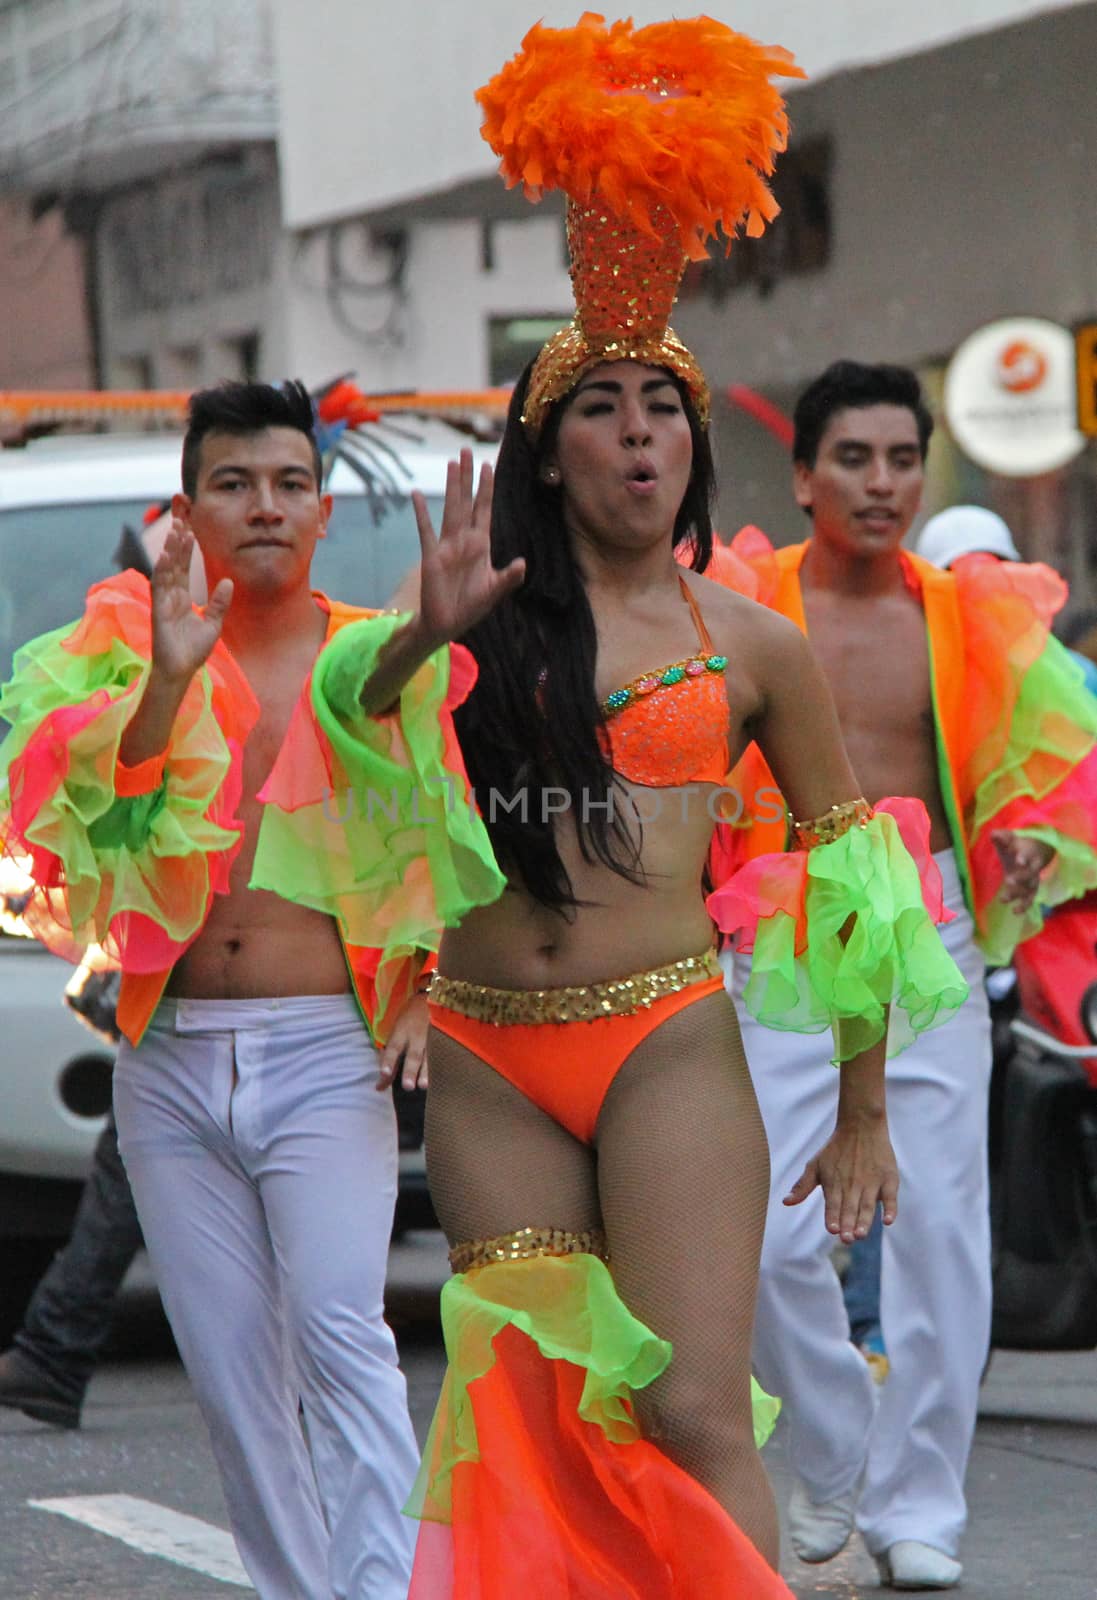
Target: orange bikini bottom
[[562, 1048]]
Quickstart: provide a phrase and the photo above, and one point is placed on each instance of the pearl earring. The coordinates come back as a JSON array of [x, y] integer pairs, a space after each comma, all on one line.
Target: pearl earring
[[552, 476]]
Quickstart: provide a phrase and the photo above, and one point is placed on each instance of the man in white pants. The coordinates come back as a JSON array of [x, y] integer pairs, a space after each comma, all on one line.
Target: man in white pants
[[262, 1157], [917, 659], [935, 1286], [263, 1163]]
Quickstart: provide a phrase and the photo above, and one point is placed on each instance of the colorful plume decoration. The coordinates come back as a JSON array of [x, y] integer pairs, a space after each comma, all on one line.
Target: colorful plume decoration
[[659, 136], [344, 402], [677, 116]]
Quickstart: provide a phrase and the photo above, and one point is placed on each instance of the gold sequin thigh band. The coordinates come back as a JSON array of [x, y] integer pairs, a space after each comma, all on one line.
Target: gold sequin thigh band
[[579, 1003], [525, 1245]]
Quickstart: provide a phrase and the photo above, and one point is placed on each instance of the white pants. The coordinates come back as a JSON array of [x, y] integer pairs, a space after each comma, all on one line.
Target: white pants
[[935, 1287], [263, 1162]]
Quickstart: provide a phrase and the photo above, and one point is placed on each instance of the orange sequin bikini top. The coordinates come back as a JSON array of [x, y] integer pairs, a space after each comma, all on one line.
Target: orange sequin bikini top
[[670, 726]]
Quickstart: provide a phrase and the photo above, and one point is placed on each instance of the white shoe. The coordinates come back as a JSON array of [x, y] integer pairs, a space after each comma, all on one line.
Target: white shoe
[[910, 1564], [818, 1532]]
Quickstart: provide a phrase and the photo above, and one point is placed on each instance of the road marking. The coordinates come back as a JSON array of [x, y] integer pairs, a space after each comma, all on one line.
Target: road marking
[[156, 1531]]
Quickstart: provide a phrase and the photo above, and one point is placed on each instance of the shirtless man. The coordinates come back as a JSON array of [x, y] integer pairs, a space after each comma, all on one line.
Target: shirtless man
[[262, 1158], [893, 637]]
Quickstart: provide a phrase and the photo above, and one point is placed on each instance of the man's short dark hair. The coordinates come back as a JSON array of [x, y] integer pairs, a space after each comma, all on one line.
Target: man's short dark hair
[[242, 409], [850, 385]]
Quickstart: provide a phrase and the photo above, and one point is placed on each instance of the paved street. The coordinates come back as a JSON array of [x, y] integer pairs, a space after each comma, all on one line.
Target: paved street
[[1032, 1489], [1033, 1480]]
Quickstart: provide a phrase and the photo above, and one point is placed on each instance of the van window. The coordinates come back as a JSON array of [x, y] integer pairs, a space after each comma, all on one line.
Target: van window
[[49, 558], [362, 560], [51, 555]]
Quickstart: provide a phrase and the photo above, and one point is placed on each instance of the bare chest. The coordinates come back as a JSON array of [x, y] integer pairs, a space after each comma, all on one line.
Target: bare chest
[[876, 659], [631, 648], [260, 754], [262, 748]]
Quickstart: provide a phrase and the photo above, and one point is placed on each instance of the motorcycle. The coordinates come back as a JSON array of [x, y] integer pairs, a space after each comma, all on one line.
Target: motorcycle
[[1043, 1137]]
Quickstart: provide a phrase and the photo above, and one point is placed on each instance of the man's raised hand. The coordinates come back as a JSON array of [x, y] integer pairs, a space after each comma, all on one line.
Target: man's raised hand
[[1022, 861], [183, 636], [458, 583]]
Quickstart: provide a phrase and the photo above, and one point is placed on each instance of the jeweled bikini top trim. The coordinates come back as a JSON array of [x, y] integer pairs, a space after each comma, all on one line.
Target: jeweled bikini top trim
[[669, 727]]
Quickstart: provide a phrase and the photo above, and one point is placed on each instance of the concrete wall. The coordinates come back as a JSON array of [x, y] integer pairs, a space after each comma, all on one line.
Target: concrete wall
[[94, 93], [186, 273], [963, 189], [195, 265], [376, 102], [429, 330]]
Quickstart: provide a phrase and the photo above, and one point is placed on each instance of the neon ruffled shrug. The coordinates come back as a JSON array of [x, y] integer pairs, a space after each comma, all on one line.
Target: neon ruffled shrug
[[126, 860], [1016, 727], [371, 819], [366, 819]]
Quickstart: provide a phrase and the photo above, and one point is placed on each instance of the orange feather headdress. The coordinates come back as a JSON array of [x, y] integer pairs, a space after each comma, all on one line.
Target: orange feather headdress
[[657, 136]]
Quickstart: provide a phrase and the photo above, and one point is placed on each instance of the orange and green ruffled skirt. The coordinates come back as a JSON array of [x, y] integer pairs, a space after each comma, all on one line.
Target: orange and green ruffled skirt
[[536, 1483]]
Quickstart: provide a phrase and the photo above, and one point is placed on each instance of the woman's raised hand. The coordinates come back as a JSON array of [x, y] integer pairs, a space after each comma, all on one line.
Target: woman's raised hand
[[458, 584], [183, 636]]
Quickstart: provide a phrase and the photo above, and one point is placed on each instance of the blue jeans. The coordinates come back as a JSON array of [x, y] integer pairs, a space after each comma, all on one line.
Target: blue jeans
[[861, 1286], [69, 1315]]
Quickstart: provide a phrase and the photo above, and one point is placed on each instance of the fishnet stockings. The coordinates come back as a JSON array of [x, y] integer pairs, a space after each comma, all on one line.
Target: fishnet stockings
[[679, 1178]]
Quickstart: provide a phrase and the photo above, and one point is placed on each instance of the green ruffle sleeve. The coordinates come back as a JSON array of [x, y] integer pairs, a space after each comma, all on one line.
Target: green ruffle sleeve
[[132, 873], [842, 936], [370, 818], [1043, 786]]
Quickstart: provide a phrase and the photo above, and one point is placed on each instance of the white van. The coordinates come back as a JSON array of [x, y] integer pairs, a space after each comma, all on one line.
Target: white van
[[64, 502]]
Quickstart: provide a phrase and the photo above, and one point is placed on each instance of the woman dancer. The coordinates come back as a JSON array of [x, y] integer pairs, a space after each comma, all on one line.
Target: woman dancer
[[595, 1151]]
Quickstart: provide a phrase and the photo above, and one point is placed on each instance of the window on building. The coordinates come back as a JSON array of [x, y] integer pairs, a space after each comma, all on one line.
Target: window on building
[[181, 367], [797, 242], [238, 358], [512, 341], [130, 372]]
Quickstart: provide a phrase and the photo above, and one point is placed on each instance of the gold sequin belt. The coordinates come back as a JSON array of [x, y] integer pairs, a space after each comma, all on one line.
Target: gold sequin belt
[[583, 1002], [525, 1245]]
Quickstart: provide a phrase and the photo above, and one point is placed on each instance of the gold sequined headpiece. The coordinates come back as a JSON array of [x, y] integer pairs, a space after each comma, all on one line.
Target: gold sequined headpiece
[[658, 136]]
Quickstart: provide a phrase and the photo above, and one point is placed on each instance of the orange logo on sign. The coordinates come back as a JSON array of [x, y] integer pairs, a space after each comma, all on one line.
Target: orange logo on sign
[[1021, 367]]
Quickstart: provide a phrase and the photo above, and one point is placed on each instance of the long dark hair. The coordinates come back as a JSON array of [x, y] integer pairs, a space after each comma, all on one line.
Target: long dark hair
[[531, 725]]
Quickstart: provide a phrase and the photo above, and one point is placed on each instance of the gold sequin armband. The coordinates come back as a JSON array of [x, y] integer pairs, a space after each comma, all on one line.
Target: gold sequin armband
[[830, 825]]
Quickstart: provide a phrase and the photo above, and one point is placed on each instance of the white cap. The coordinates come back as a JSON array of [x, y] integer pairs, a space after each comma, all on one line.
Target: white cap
[[965, 531]]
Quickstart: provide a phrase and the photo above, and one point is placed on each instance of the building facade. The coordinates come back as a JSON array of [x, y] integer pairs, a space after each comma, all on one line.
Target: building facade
[[44, 337], [150, 127], [939, 177], [259, 188]]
